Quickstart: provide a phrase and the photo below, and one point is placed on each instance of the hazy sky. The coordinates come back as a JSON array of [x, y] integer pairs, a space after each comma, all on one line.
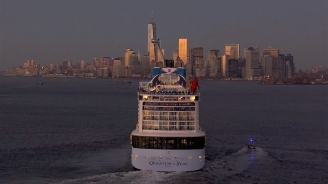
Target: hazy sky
[[55, 30]]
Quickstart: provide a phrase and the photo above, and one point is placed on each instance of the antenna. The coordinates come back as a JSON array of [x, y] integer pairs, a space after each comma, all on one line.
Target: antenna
[[152, 14]]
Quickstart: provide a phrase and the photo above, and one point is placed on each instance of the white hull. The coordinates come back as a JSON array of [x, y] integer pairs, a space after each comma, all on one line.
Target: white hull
[[168, 160]]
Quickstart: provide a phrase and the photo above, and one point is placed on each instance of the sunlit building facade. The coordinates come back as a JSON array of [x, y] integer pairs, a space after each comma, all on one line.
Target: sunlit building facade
[[152, 50], [83, 64], [160, 58], [183, 49], [127, 55], [224, 65], [232, 50]]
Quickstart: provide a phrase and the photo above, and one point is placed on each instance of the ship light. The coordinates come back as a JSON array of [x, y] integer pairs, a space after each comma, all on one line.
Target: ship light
[[189, 157], [136, 156], [199, 156], [145, 97], [192, 98], [159, 156]]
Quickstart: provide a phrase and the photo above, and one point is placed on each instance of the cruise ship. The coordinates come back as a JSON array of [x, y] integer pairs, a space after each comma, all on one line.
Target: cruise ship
[[168, 136]]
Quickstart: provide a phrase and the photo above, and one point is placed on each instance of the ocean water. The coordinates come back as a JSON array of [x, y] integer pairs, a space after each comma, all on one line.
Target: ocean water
[[73, 130]]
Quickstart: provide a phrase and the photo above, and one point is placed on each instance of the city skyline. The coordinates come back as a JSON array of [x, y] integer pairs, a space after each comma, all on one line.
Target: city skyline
[[67, 30]]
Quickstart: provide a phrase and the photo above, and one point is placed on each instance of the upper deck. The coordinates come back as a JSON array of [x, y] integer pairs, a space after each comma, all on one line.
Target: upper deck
[[168, 84]]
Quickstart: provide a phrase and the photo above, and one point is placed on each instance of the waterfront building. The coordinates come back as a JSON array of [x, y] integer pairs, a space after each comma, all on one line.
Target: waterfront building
[[77, 66], [134, 67], [252, 63], [290, 66], [64, 64], [118, 67], [245, 50], [196, 53], [83, 64], [183, 49], [233, 68], [274, 53], [281, 66], [51, 67], [145, 66], [232, 50], [224, 65], [106, 62], [127, 55], [214, 63], [96, 62], [200, 68], [241, 67], [271, 51], [266, 66], [69, 65]]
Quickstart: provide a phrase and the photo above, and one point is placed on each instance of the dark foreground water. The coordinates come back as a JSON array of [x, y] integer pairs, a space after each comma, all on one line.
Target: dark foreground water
[[73, 130]]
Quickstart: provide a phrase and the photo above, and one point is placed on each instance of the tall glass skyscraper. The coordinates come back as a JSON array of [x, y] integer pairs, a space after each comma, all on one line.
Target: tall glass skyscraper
[[183, 49], [152, 50]]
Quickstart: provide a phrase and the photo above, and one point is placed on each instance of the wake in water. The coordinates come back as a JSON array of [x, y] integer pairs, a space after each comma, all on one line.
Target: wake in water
[[227, 168]]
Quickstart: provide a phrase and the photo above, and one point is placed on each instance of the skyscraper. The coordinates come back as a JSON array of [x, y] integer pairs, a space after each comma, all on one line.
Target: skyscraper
[[214, 63], [65, 64], [224, 65], [127, 55], [152, 50], [266, 66], [233, 68], [252, 63], [290, 66], [270, 51], [232, 50], [83, 64], [183, 49], [274, 53], [196, 54], [159, 55]]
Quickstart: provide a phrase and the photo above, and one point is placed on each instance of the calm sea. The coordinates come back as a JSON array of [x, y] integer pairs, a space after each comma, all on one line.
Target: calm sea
[[72, 130]]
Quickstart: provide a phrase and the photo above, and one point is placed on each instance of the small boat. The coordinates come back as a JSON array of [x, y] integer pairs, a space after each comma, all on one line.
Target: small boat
[[251, 144]]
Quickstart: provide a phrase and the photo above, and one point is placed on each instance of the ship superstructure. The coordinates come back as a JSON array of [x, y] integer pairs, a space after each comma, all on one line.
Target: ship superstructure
[[168, 136]]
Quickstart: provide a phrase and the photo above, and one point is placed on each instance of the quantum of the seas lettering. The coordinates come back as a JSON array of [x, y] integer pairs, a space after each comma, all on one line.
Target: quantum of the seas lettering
[[167, 163]]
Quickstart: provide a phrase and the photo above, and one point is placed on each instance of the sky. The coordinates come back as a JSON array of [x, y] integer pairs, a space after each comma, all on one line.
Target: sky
[[74, 30]]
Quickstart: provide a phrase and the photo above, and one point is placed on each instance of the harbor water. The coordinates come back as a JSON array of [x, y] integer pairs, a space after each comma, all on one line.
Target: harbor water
[[74, 130]]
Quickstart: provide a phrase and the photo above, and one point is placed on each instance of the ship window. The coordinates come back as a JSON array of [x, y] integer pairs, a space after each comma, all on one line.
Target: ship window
[[156, 108], [168, 120], [168, 103], [146, 142]]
